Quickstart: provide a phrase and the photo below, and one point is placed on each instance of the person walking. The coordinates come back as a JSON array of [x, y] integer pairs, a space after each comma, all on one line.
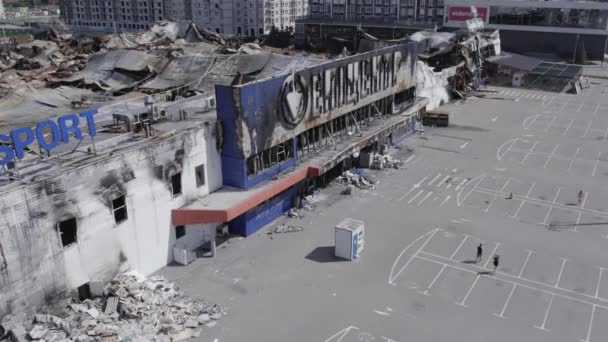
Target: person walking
[[479, 253], [496, 262]]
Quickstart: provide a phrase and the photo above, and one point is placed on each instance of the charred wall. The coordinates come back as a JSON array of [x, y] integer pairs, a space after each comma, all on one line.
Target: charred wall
[[36, 269], [259, 115]]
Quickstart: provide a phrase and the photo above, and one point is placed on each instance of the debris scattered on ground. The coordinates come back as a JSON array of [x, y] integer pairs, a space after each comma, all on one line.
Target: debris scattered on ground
[[133, 308], [294, 213], [356, 179], [286, 228], [385, 161]]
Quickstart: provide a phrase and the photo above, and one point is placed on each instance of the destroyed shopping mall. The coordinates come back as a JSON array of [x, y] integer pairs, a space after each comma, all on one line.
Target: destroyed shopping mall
[[181, 136]]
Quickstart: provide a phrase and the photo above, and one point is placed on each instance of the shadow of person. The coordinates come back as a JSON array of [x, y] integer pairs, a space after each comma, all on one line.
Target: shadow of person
[[485, 273]]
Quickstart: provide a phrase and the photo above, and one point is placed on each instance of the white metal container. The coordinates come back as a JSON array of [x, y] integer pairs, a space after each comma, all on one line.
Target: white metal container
[[349, 238]]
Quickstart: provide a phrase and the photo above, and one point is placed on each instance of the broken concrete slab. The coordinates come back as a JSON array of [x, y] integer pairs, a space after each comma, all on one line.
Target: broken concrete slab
[[152, 309], [191, 323], [37, 332]]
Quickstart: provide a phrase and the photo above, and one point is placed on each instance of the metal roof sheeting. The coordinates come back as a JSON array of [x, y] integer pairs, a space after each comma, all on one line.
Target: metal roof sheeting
[[516, 61]]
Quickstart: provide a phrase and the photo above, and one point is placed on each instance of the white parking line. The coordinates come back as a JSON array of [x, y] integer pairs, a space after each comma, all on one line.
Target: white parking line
[[523, 201], [590, 324], [415, 196], [561, 270], [410, 158], [587, 129], [490, 258], [527, 125], [445, 200], [559, 189], [430, 234], [462, 302], [568, 127], [459, 246], [574, 158], [550, 124], [542, 327], [523, 267], [342, 333], [538, 285], [499, 192], [550, 156], [523, 161], [461, 184], [425, 197], [597, 161], [434, 179], [507, 302], [599, 281], [580, 107], [414, 187], [578, 220], [426, 292], [443, 181]]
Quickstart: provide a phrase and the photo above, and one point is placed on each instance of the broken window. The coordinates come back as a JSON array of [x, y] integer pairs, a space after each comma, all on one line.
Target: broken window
[[67, 231], [119, 208], [84, 292], [270, 157], [180, 231], [200, 175], [176, 184]]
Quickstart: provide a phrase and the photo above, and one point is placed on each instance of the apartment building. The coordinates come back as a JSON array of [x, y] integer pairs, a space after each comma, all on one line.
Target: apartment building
[[331, 22], [244, 17], [282, 14], [111, 15], [378, 10], [247, 17], [556, 27]]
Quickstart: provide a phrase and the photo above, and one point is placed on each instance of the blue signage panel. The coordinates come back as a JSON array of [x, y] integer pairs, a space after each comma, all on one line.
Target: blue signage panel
[[13, 145]]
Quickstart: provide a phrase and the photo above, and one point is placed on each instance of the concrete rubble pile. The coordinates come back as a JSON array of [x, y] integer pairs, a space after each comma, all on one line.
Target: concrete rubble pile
[[286, 228], [133, 308], [356, 179], [293, 213], [384, 161]]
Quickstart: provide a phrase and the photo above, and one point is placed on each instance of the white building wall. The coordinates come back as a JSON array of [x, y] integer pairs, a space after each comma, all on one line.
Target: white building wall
[[33, 263], [246, 17]]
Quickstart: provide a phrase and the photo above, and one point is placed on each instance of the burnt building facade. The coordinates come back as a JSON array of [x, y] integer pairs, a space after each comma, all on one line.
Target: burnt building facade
[[282, 132], [70, 223]]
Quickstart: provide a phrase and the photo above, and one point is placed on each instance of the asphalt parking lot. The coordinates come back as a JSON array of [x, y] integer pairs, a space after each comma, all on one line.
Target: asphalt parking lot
[[506, 174]]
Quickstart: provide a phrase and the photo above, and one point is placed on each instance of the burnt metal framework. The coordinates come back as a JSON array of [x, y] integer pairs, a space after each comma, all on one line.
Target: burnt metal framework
[[330, 133], [269, 158], [321, 137]]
